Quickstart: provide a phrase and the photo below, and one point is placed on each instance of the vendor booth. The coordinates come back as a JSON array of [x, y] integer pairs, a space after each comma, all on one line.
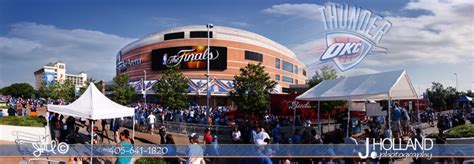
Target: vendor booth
[[393, 85], [93, 105]]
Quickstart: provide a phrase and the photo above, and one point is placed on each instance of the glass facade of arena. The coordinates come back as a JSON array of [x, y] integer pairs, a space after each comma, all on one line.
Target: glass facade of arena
[[255, 56]]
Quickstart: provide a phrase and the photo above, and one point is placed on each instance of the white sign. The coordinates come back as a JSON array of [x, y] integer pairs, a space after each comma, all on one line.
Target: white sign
[[374, 109], [189, 55], [297, 105], [355, 106]]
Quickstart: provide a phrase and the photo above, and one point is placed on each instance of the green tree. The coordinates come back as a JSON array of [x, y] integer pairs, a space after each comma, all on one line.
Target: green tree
[[171, 89], [24, 90], [251, 89], [325, 73], [451, 96], [469, 93], [437, 95], [44, 91], [97, 84], [65, 91], [124, 93]]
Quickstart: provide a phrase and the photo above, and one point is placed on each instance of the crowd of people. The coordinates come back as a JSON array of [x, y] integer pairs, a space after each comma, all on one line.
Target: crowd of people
[[22, 106], [266, 131], [192, 114]]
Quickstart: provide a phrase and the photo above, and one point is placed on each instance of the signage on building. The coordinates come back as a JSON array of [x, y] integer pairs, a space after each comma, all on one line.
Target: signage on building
[[122, 64], [353, 34], [299, 105], [49, 78], [189, 57]]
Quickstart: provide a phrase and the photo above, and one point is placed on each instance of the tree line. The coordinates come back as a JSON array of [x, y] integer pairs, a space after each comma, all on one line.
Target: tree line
[[443, 98], [251, 93]]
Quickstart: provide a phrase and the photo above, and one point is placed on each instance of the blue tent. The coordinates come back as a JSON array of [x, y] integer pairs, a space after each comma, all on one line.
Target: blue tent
[[464, 99]]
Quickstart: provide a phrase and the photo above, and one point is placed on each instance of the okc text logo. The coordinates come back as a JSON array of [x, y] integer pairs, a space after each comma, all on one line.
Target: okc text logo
[[355, 33]]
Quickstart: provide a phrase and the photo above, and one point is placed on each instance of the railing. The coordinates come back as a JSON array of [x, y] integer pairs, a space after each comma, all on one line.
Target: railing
[[223, 131], [25, 136], [188, 128], [35, 160]]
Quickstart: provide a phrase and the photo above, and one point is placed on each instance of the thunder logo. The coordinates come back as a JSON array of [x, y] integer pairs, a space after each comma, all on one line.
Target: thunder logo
[[355, 33]]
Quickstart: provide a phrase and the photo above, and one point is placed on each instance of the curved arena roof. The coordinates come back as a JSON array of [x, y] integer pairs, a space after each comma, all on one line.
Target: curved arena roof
[[219, 32]]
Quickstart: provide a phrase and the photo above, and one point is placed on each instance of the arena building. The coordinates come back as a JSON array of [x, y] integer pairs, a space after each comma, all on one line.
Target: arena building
[[231, 49]]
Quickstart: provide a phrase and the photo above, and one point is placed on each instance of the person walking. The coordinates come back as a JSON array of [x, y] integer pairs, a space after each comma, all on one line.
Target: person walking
[[124, 157], [296, 138], [207, 136], [194, 150], [405, 118], [114, 126], [417, 138], [276, 134], [162, 133], [151, 120], [214, 149], [170, 144], [11, 111], [396, 116], [57, 125]]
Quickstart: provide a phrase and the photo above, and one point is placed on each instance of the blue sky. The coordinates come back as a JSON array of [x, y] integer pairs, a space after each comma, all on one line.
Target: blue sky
[[430, 39]]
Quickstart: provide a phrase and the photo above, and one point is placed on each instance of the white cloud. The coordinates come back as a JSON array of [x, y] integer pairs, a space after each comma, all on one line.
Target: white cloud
[[446, 36], [443, 37], [28, 46], [305, 10]]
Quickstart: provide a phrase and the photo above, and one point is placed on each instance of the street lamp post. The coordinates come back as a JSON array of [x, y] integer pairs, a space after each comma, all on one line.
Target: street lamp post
[[456, 74], [208, 26], [144, 88]]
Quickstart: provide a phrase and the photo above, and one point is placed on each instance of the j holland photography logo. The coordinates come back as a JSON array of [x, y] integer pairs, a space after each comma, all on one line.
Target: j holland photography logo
[[389, 147], [42, 147], [354, 33]]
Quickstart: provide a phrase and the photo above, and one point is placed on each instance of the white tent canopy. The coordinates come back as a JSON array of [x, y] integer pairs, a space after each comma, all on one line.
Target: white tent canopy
[[93, 105], [378, 86]]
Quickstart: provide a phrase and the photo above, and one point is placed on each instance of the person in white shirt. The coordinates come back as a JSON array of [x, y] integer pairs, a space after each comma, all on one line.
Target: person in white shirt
[[261, 135], [151, 120], [194, 150], [191, 113], [236, 135]]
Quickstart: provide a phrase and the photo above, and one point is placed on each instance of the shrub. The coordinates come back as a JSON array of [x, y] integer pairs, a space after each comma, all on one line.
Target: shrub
[[4, 107], [24, 121], [151, 160], [461, 131]]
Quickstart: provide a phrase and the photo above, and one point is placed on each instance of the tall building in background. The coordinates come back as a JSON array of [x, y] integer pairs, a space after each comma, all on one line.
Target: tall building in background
[[230, 50], [56, 72]]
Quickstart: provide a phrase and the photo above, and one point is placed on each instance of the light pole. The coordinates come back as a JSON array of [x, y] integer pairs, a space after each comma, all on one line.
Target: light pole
[[456, 74], [208, 26], [144, 88]]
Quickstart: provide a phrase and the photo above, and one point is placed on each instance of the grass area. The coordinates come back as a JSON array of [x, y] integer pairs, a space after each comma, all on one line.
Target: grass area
[[23, 121], [150, 160], [461, 131], [4, 107]]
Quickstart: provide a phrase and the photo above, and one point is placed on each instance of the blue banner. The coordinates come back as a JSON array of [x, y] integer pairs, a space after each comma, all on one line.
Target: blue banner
[[233, 150]]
